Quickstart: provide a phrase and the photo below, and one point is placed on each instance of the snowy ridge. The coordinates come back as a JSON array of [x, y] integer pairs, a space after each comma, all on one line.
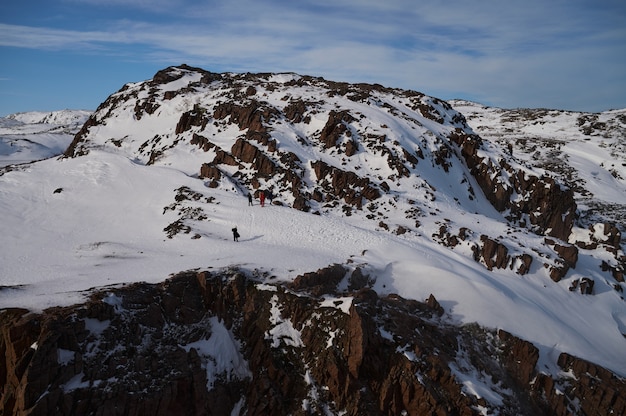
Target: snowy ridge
[[61, 117], [98, 218], [25, 137]]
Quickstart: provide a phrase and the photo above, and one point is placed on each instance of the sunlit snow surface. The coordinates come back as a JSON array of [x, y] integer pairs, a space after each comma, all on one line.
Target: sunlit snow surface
[[105, 226]]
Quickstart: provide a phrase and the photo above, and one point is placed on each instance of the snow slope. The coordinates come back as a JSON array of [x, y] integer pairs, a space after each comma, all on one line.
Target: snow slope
[[72, 224]]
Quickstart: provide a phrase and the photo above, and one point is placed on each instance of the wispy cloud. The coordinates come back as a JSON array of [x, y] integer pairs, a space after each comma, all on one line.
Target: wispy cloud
[[49, 38], [485, 29], [159, 6], [488, 48]]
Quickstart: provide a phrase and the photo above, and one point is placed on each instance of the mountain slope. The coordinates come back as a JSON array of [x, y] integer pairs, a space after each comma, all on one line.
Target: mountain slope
[[390, 182]]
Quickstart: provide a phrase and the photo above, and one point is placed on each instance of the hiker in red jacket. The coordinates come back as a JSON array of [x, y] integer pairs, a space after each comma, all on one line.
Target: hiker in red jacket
[[262, 198]]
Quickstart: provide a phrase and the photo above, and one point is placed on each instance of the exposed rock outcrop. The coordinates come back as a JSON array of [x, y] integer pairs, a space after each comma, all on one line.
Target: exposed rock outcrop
[[252, 116], [552, 206], [248, 153], [191, 118], [335, 127], [391, 158], [223, 343], [344, 184], [494, 254]]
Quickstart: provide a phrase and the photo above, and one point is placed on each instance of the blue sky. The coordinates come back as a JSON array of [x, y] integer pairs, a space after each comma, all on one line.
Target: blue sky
[[565, 54]]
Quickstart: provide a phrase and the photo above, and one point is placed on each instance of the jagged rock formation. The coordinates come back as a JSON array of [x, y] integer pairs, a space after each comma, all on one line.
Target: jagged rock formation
[[552, 206], [224, 343]]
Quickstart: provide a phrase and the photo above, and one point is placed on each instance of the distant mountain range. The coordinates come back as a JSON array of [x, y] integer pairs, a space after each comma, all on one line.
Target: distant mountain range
[[69, 119], [414, 255], [25, 137]]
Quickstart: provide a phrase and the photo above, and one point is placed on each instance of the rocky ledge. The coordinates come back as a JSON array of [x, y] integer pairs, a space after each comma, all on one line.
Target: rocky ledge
[[227, 342]]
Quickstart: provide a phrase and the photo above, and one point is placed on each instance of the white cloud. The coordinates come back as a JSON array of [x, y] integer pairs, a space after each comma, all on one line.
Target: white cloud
[[488, 49]]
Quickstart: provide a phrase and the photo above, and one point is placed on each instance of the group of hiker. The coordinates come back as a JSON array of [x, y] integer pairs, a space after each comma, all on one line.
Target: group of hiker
[[263, 195]]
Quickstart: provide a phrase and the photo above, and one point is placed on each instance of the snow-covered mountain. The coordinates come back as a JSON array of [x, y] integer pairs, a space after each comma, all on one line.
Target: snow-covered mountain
[[510, 218], [25, 137], [69, 119]]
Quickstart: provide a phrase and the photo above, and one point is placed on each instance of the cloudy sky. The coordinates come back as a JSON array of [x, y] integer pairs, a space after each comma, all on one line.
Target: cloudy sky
[[565, 54]]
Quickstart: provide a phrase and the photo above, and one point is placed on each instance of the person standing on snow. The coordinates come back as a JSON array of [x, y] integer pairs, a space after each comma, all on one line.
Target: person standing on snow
[[262, 198], [235, 234], [249, 199]]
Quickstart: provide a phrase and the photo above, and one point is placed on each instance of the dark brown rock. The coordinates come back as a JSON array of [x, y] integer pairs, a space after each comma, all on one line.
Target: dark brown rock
[[75, 149], [320, 282], [525, 260], [586, 286], [492, 253], [295, 111], [358, 280], [613, 235], [202, 142], [434, 305], [253, 115], [343, 184], [351, 147], [569, 254], [591, 390], [568, 257], [189, 119], [558, 271], [616, 271], [121, 353], [224, 157], [335, 127], [210, 171], [248, 153], [520, 357]]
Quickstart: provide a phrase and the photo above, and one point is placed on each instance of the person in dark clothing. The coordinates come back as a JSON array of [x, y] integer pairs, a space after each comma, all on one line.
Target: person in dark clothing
[[235, 234], [249, 199]]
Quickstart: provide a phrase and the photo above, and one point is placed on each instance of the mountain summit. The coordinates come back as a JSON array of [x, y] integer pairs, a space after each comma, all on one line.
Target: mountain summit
[[391, 218]]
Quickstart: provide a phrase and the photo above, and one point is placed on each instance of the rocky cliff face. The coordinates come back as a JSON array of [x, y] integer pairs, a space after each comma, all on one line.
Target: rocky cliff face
[[215, 343]]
